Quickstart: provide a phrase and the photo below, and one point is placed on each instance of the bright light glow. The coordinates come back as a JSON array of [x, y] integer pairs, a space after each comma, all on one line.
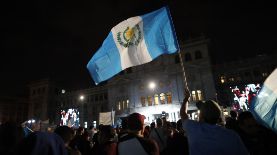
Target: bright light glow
[[152, 85], [63, 91], [150, 111], [33, 121], [29, 121], [82, 97]]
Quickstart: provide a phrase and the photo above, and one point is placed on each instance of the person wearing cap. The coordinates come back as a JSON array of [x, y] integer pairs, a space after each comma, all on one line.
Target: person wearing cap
[[134, 143], [205, 136]]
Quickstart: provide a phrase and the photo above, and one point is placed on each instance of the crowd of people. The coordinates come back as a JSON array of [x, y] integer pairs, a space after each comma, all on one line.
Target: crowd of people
[[211, 134]]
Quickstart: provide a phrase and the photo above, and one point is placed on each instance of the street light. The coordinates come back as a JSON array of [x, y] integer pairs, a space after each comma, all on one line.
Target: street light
[[82, 97], [152, 85]]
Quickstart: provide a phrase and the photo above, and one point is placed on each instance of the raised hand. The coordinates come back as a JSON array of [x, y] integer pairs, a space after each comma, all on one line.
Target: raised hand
[[186, 94]]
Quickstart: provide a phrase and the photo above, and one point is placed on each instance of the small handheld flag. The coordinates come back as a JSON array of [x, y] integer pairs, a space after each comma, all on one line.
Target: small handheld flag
[[135, 41], [264, 106]]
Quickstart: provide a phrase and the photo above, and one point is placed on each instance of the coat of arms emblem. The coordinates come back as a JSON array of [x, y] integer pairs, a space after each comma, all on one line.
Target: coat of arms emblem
[[129, 37]]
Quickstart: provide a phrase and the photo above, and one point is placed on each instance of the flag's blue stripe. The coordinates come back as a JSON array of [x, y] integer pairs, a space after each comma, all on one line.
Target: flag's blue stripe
[[173, 29], [158, 33], [106, 61], [264, 106]]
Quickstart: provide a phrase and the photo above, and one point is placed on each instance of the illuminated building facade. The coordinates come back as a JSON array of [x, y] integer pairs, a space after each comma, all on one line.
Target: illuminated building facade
[[153, 89], [156, 88]]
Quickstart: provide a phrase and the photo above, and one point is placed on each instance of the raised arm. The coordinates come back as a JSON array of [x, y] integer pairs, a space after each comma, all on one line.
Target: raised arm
[[184, 107]]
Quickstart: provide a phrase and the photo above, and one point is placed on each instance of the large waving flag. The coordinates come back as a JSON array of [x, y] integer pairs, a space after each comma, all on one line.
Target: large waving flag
[[264, 106], [133, 42]]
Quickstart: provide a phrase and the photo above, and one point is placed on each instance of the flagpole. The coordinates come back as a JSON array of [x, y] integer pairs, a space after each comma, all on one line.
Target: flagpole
[[179, 53], [183, 69]]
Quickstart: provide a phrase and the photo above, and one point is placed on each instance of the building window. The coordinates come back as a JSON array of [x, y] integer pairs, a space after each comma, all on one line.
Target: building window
[[231, 79], [187, 57], [91, 98], [169, 98], [118, 106], [199, 95], [101, 97], [177, 59], [102, 108], [162, 98], [222, 79], [123, 105], [105, 96], [127, 103], [238, 78], [161, 84], [264, 74], [156, 99], [193, 95], [198, 55], [142, 100], [141, 87], [149, 99]]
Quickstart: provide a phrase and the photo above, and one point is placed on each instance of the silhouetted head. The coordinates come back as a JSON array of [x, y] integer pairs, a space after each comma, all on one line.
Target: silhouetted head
[[65, 132], [80, 131], [135, 121], [152, 125], [173, 125], [247, 122], [233, 114], [159, 122], [210, 112], [107, 133]]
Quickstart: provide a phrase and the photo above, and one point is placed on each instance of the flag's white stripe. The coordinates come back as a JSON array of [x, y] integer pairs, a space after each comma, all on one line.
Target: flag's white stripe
[[133, 55], [271, 81], [264, 106]]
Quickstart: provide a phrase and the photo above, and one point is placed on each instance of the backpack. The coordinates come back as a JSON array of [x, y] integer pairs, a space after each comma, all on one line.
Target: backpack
[[141, 140]]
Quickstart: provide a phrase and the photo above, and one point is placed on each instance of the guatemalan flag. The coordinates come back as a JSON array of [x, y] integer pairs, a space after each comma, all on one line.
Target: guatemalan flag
[[133, 42], [264, 106]]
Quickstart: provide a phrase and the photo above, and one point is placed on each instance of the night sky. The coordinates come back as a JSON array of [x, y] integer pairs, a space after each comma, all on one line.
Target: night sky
[[56, 38]]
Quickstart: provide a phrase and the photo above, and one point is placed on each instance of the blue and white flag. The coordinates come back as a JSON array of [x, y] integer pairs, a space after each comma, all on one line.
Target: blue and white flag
[[264, 106], [133, 42]]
